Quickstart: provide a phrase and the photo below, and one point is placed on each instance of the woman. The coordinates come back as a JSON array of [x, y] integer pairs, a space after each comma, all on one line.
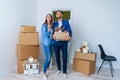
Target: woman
[[46, 33]]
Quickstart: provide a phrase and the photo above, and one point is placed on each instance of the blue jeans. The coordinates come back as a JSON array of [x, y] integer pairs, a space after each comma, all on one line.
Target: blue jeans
[[48, 55], [58, 46]]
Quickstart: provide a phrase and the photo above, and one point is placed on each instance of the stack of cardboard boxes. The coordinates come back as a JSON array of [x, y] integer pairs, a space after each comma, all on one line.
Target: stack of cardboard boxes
[[28, 46], [84, 62]]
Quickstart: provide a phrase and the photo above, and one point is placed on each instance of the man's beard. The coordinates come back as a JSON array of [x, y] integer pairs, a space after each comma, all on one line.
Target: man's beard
[[59, 17]]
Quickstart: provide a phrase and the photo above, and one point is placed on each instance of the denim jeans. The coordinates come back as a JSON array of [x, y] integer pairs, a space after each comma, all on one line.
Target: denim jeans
[[58, 46], [48, 54]]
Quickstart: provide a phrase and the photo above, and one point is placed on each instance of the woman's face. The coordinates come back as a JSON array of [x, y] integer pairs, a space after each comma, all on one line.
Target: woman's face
[[48, 18]]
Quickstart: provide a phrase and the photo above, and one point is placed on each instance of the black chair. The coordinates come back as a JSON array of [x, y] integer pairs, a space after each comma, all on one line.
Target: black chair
[[108, 58]]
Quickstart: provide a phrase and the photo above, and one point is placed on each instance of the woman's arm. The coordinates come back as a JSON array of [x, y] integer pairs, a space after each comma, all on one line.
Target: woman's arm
[[44, 32]]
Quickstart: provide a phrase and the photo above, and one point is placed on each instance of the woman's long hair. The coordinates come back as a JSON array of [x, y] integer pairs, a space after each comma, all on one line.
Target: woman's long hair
[[51, 22]]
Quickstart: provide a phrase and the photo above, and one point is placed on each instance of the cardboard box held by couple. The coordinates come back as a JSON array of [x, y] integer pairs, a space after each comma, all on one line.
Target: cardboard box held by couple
[[61, 35]]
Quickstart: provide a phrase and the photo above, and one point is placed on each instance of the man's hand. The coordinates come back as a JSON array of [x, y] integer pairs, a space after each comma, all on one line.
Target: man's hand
[[67, 38], [66, 31], [57, 29], [54, 37]]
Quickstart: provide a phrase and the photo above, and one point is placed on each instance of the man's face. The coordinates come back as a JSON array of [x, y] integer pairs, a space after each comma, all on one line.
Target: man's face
[[59, 14]]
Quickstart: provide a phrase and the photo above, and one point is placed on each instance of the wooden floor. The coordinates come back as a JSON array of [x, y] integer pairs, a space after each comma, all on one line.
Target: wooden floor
[[104, 74]]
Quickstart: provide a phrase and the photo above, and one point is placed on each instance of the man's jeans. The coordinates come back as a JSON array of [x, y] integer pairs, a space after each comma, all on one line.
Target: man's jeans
[[58, 46]]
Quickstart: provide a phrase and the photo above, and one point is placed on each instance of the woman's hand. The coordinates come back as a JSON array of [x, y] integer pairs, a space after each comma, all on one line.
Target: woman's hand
[[49, 27]]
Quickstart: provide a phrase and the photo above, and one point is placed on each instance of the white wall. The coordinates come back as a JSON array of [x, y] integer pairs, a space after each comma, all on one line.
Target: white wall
[[13, 13], [96, 21]]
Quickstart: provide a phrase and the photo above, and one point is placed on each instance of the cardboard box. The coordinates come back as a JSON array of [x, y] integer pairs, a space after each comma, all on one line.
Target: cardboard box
[[84, 66], [25, 51], [85, 56], [26, 28], [61, 35], [20, 67], [28, 38]]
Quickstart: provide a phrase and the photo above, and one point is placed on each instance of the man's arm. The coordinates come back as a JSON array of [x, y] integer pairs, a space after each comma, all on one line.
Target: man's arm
[[68, 30]]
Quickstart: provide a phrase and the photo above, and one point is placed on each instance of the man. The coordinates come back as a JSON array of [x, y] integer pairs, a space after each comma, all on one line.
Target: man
[[62, 26]]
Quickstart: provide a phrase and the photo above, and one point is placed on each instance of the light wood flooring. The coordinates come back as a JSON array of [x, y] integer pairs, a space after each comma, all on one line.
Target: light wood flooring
[[104, 74]]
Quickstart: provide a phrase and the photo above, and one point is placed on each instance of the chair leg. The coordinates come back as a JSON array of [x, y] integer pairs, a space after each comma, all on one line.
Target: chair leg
[[111, 68], [100, 67]]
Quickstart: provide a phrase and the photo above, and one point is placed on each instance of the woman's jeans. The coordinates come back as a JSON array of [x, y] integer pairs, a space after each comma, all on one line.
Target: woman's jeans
[[48, 55]]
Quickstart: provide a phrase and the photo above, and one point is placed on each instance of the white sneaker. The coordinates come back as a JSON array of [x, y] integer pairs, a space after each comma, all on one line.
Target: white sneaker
[[44, 77], [65, 76], [58, 72], [48, 72]]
